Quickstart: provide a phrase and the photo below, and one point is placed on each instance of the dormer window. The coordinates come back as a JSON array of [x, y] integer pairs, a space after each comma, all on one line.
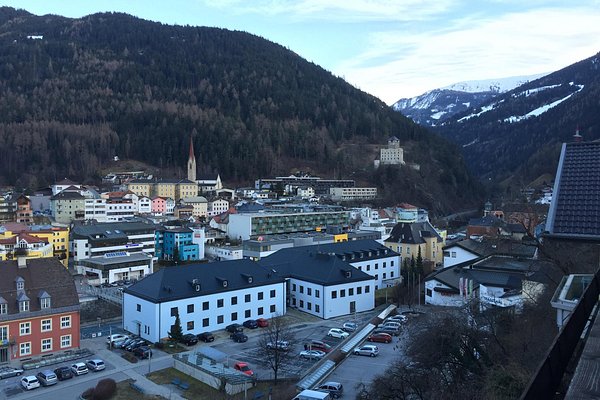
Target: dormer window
[[44, 299], [3, 306], [24, 306], [20, 283]]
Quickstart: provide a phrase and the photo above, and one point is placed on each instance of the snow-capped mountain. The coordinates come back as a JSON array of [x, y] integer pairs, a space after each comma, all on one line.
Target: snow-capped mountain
[[434, 107]]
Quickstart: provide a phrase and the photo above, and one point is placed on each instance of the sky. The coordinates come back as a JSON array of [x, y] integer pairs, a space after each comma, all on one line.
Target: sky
[[391, 49]]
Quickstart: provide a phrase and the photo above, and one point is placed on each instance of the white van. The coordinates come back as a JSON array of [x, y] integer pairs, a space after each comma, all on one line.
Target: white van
[[312, 395]]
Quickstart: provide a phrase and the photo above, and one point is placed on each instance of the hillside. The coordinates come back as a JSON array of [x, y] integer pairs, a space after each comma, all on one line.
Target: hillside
[[76, 92], [517, 135]]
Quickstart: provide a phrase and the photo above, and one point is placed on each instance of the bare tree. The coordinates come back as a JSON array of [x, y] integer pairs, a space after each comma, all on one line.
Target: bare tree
[[276, 343]]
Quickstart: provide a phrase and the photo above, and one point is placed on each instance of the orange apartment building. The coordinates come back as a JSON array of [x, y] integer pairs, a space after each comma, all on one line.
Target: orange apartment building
[[39, 309]]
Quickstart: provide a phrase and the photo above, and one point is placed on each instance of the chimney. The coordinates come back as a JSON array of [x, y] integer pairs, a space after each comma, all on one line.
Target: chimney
[[578, 138], [21, 261]]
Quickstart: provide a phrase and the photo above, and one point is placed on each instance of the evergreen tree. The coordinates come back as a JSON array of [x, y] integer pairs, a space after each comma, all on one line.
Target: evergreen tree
[[176, 333], [419, 263]]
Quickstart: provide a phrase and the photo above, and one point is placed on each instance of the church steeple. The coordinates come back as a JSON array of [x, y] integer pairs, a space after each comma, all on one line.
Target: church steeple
[[191, 165]]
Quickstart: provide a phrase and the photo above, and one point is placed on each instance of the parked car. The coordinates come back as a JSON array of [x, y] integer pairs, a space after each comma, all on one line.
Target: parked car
[[95, 365], [189, 340], [127, 342], [380, 337], [233, 328], [367, 350], [399, 318], [135, 344], [335, 389], [349, 326], [7, 372], [262, 322], [117, 337], [63, 373], [143, 352], [390, 330], [338, 333], [47, 377], [79, 369], [30, 382], [393, 324], [206, 337], [317, 345], [312, 354], [250, 324], [282, 345], [238, 337], [243, 367]]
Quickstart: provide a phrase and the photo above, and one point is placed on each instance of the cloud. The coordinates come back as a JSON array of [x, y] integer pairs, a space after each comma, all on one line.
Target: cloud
[[350, 11], [403, 64]]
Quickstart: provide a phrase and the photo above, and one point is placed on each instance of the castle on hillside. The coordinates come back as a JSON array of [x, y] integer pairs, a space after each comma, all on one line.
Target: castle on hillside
[[393, 154]]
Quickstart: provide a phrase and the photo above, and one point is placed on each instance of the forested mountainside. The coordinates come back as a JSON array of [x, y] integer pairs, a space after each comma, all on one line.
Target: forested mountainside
[[518, 134], [76, 92]]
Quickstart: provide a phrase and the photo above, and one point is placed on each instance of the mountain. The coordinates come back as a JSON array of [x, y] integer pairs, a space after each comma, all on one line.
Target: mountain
[[438, 105], [518, 133], [74, 93]]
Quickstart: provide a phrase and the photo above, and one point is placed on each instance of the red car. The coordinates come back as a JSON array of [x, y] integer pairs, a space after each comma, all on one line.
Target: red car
[[262, 322], [317, 345], [380, 337], [243, 367]]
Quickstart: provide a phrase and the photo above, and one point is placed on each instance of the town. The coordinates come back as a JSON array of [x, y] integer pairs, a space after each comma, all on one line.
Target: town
[[237, 288]]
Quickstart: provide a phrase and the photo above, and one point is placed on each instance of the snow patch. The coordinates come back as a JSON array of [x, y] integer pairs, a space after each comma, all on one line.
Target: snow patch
[[540, 110], [438, 114], [483, 110], [493, 85], [471, 143]]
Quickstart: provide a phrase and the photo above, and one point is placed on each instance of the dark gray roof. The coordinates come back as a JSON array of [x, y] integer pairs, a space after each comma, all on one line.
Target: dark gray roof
[[174, 283], [67, 196], [110, 230], [488, 247], [310, 264], [413, 233], [117, 259], [575, 207], [488, 220], [359, 249], [162, 180]]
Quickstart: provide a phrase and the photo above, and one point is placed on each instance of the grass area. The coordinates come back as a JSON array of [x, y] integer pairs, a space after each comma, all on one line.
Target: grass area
[[380, 296], [173, 348], [126, 392], [199, 390]]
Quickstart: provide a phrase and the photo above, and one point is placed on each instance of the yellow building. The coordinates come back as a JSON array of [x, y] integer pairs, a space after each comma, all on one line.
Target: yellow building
[[407, 238], [59, 238], [167, 188], [186, 188], [34, 247], [141, 187]]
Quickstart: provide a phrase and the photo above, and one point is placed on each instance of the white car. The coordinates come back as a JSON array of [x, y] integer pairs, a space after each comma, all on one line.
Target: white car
[[398, 318], [312, 354], [95, 364], [30, 382], [79, 369], [338, 333], [367, 350], [117, 337]]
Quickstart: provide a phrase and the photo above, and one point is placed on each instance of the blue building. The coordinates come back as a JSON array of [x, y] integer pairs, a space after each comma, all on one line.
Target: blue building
[[176, 243]]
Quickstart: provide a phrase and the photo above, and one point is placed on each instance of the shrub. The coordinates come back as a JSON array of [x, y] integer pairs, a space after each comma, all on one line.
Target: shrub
[[159, 345], [130, 357], [88, 393], [105, 389]]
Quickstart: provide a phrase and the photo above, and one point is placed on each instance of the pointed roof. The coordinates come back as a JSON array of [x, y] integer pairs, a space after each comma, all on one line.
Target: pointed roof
[[192, 156]]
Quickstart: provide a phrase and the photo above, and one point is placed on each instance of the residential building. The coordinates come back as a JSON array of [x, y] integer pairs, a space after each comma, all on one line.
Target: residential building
[[207, 297], [353, 193], [175, 189], [217, 206], [28, 246], [24, 212], [169, 206], [469, 249], [210, 183], [159, 205], [248, 225], [407, 238], [144, 205], [40, 201], [184, 212], [57, 236], [67, 206], [321, 186], [199, 205], [63, 185], [7, 208], [223, 252], [39, 309], [116, 266], [91, 239], [176, 243]]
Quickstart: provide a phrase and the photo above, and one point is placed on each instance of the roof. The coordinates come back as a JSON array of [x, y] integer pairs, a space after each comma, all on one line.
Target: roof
[[413, 233], [575, 209], [110, 230], [64, 182], [358, 248], [64, 195], [488, 220], [208, 177], [117, 258], [311, 264], [488, 247], [22, 236], [195, 199], [174, 283], [41, 275]]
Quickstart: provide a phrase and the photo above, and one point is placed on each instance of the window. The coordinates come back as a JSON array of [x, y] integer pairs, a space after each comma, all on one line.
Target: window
[[293, 287], [376, 276], [359, 290], [384, 264], [453, 254], [343, 293], [234, 316], [301, 303], [408, 250], [45, 302], [384, 275], [309, 306], [190, 325], [174, 312], [46, 344], [247, 314], [65, 341], [273, 293], [3, 308], [20, 285], [190, 308], [301, 289], [317, 308], [391, 263], [391, 274], [219, 319], [260, 311], [234, 300], [25, 328], [205, 306], [46, 325], [219, 303], [367, 289], [247, 298], [351, 292], [205, 322], [138, 307], [25, 348], [376, 265], [65, 322], [368, 267], [3, 332], [309, 291], [317, 293], [272, 308], [334, 294], [260, 295], [24, 306], [428, 293], [294, 302]]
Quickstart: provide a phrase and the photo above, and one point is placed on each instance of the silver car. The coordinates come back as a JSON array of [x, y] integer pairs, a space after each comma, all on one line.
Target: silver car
[[367, 350], [47, 377], [8, 372]]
